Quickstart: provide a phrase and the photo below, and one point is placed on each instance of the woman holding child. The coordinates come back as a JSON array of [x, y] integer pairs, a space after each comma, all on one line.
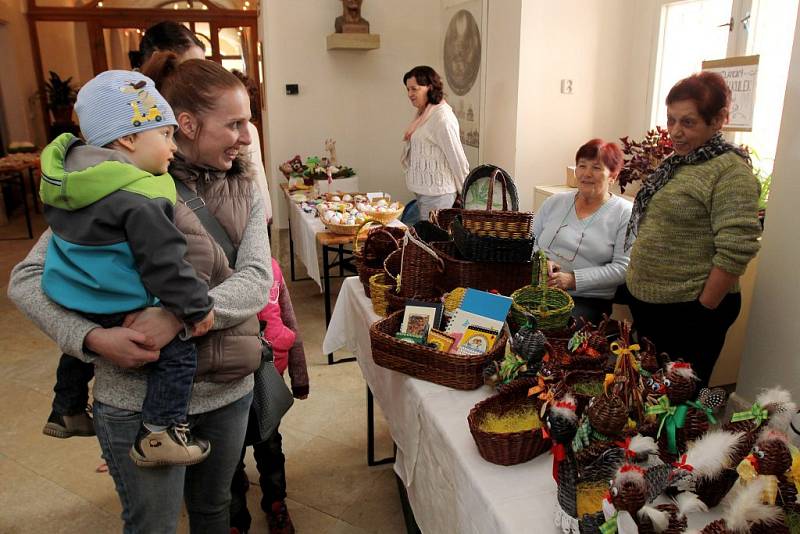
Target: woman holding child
[[211, 108]]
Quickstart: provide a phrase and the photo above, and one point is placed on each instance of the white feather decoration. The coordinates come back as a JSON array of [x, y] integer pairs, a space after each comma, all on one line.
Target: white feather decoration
[[681, 370], [712, 453], [626, 524], [688, 503], [643, 445], [781, 407], [658, 518], [744, 507]]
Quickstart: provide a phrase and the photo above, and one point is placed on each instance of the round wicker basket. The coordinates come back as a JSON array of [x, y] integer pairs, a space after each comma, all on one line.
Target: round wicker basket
[[550, 305]]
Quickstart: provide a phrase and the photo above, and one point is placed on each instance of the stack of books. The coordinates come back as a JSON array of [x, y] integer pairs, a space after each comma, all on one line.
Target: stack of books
[[470, 330]]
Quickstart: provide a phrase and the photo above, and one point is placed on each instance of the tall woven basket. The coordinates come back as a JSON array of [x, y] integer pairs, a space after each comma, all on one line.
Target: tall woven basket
[[370, 252], [550, 305], [420, 269]]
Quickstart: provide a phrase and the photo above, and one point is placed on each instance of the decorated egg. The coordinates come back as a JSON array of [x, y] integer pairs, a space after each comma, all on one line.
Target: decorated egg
[[347, 198], [336, 198], [381, 202]]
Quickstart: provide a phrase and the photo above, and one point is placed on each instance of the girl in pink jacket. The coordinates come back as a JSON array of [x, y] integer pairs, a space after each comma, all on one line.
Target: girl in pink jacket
[[287, 348]]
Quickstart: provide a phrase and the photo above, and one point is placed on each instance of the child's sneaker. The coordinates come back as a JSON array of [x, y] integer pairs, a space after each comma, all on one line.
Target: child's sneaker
[[66, 426], [278, 519], [173, 446]]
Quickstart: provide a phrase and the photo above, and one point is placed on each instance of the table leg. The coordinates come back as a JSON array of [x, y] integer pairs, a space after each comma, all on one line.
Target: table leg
[[34, 192], [408, 513], [371, 435], [291, 252], [341, 260], [326, 282]]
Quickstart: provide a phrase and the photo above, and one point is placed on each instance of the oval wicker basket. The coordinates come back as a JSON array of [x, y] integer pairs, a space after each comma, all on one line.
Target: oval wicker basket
[[343, 229], [452, 370], [550, 305], [387, 216], [507, 448]]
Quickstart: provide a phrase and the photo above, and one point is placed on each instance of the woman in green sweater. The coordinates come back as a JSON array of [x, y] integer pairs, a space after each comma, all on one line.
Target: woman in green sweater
[[695, 225]]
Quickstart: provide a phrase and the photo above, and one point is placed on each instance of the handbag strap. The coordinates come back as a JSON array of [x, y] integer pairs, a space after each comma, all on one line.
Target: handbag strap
[[194, 202]]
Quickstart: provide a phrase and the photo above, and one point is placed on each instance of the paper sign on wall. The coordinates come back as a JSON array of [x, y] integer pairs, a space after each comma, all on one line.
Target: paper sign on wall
[[741, 74]]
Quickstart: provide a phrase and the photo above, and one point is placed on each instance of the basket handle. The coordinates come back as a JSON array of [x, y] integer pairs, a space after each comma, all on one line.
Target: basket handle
[[490, 196], [381, 230], [360, 228], [410, 238], [386, 268], [539, 278]]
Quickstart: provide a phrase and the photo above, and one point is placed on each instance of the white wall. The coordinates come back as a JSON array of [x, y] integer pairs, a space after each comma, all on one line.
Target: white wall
[[18, 82], [772, 347], [592, 44], [502, 84], [356, 97]]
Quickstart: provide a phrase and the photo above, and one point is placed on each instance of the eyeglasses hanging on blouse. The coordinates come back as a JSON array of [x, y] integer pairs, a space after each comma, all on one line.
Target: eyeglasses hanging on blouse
[[564, 224]]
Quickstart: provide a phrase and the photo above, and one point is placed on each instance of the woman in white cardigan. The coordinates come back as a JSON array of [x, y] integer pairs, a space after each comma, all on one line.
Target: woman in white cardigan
[[433, 157]]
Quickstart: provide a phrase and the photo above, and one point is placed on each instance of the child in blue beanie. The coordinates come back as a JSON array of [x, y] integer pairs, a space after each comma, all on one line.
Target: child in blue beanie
[[115, 249]]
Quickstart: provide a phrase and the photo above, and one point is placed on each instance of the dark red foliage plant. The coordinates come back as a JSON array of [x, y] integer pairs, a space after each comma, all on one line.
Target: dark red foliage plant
[[643, 157]]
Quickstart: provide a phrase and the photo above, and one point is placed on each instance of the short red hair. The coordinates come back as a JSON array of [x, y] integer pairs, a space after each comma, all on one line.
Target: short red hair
[[708, 90], [608, 153]]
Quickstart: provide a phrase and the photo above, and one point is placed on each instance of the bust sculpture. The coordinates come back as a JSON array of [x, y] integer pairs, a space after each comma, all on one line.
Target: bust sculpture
[[351, 20]]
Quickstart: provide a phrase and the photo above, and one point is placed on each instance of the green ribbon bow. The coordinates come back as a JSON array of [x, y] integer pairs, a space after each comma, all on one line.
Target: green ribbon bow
[[755, 412], [705, 409], [673, 418], [610, 526]]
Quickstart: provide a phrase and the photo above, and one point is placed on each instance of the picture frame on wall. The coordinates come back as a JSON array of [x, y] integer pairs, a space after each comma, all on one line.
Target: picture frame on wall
[[464, 59]]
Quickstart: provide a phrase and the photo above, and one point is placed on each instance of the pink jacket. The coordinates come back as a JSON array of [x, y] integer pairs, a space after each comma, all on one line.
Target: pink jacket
[[281, 336]]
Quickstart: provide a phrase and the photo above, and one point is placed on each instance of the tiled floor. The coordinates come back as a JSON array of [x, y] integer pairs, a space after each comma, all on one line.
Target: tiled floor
[[50, 485]]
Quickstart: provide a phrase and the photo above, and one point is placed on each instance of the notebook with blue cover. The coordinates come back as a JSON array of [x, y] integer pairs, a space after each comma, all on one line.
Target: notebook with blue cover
[[486, 304]]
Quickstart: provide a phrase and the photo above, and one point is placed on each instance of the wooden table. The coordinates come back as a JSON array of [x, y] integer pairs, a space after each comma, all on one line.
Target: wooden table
[[13, 169]]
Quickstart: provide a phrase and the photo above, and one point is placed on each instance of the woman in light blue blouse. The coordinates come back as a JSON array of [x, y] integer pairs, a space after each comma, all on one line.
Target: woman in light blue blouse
[[583, 232]]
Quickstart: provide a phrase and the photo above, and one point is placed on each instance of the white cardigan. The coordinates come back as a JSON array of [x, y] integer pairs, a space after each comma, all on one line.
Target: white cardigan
[[434, 159]]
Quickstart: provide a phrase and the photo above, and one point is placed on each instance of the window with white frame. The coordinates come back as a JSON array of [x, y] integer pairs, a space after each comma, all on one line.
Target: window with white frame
[[693, 31]]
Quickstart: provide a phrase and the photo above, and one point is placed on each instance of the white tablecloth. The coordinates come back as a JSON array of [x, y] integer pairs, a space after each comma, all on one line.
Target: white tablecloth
[[450, 487], [304, 228]]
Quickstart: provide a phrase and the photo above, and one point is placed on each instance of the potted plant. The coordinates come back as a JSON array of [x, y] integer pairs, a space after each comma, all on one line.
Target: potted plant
[[765, 179], [61, 96], [643, 157]]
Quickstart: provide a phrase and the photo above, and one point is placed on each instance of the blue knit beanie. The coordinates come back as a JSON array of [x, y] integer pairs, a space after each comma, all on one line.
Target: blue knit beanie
[[117, 103]]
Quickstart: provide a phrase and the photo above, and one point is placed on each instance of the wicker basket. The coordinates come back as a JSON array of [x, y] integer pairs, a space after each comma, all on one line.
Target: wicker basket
[[443, 218], [451, 370], [488, 248], [459, 272], [343, 229], [550, 305], [420, 269], [380, 287], [379, 243], [430, 233], [386, 217], [577, 377], [508, 448], [505, 224]]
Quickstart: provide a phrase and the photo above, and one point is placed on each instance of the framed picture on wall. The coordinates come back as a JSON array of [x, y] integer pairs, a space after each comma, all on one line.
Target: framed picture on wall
[[463, 57]]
